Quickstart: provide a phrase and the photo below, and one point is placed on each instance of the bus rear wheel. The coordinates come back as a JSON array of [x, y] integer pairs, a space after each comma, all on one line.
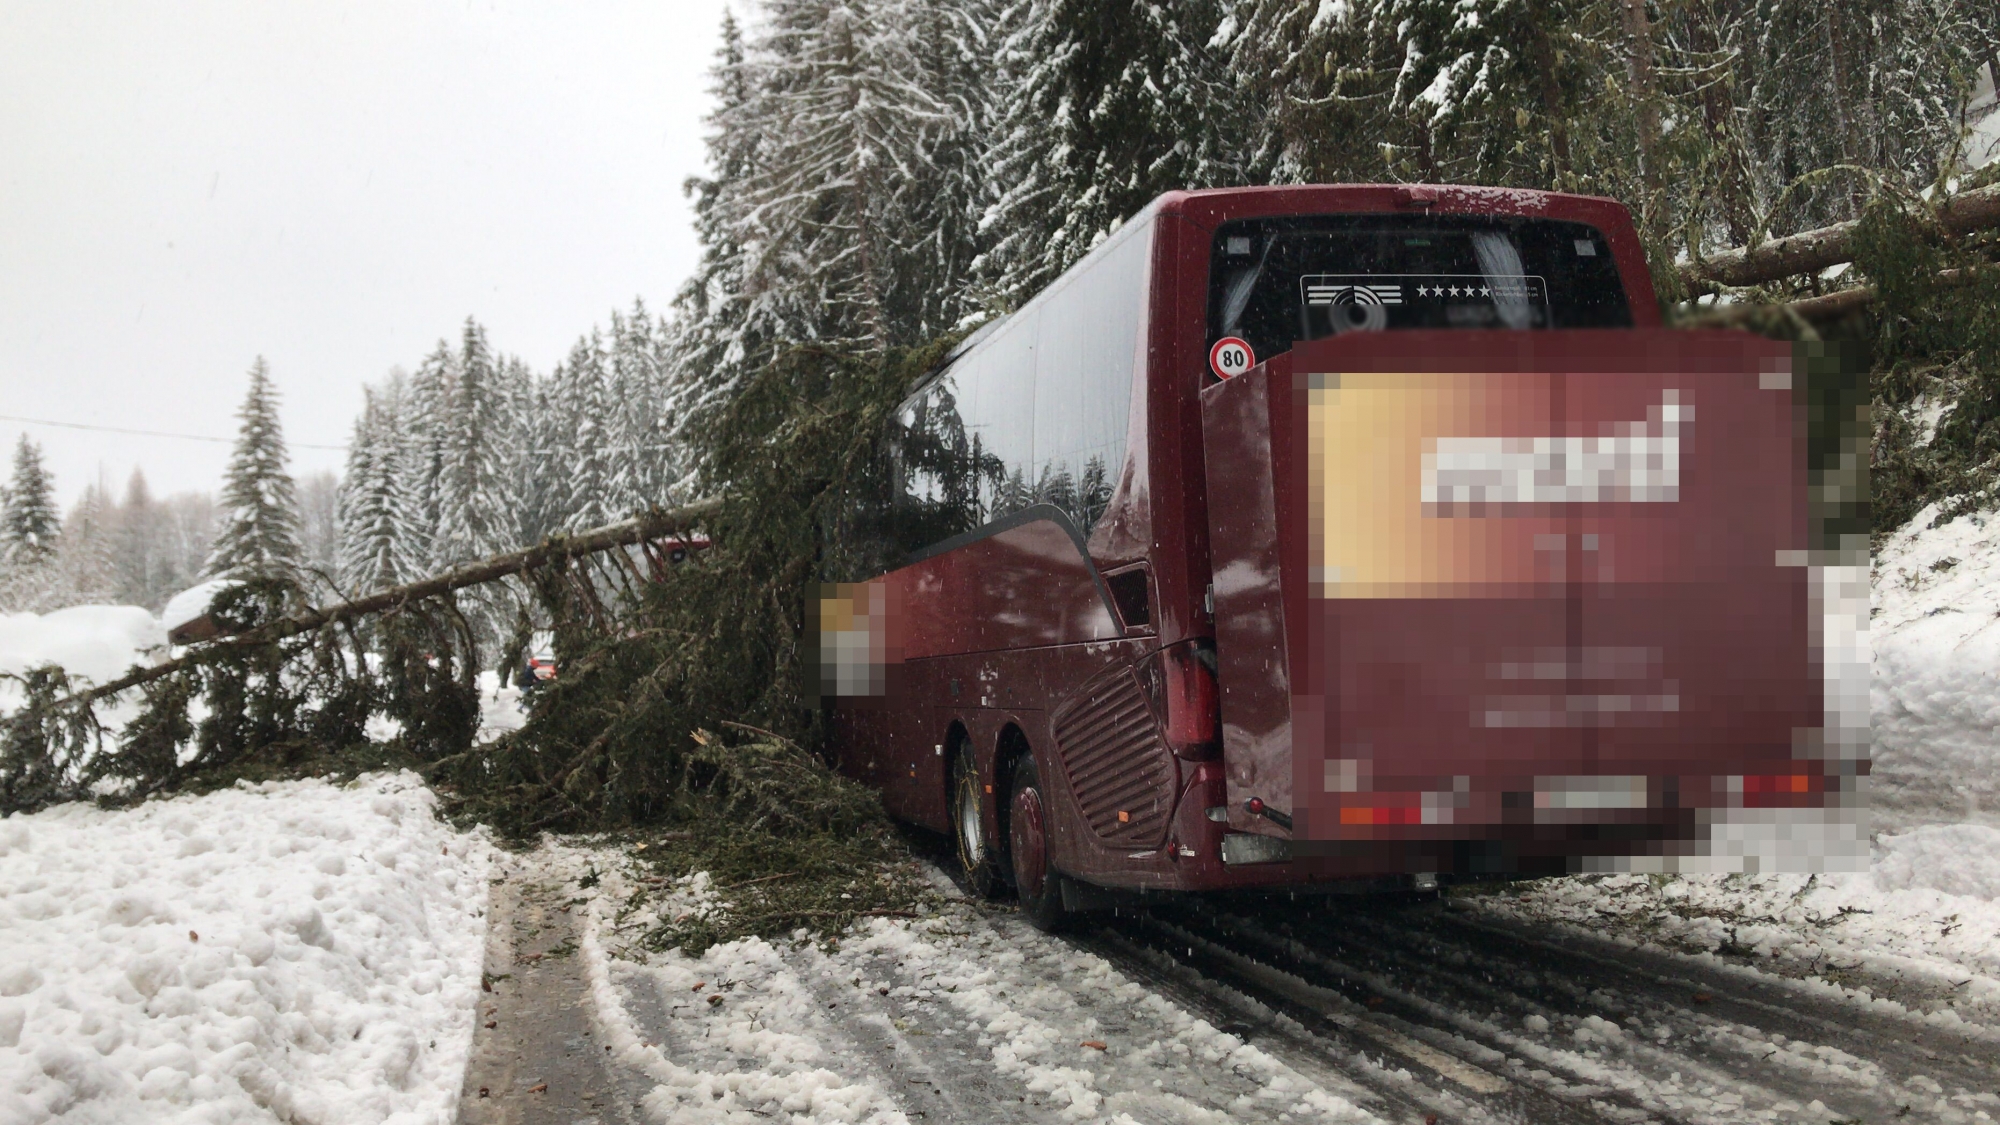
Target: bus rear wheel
[[968, 828], [1037, 884]]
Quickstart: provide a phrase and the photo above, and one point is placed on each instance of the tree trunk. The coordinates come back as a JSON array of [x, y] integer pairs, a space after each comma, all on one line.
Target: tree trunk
[[1645, 96], [639, 529], [1543, 55], [1815, 250]]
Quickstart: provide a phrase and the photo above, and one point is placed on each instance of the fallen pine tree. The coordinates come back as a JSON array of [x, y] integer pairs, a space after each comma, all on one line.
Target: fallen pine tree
[[648, 661], [646, 658], [1915, 317], [1810, 252]]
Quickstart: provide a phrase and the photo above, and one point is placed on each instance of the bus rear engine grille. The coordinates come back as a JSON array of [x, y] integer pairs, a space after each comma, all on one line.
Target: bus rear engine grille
[[1120, 770]]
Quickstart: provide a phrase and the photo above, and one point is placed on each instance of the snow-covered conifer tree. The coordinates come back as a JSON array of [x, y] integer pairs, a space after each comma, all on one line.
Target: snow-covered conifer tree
[[846, 151], [30, 526], [1874, 83], [425, 416], [1460, 91], [137, 555], [86, 557], [475, 509], [712, 338], [260, 524], [642, 366], [1713, 121], [631, 379], [1119, 101], [374, 509], [959, 45], [546, 459], [581, 383], [851, 121], [513, 436]]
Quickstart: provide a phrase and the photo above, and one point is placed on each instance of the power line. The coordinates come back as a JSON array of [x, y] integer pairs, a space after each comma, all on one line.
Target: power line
[[618, 447], [150, 433]]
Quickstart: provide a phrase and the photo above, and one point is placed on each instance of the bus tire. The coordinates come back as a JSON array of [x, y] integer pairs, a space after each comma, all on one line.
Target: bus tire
[[977, 864], [1035, 881]]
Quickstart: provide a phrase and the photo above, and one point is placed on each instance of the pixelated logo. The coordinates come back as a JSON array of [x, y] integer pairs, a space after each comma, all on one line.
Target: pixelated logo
[[1631, 462], [1396, 461], [852, 621]]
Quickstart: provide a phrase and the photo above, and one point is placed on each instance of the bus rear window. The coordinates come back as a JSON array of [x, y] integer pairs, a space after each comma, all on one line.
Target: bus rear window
[[1273, 282]]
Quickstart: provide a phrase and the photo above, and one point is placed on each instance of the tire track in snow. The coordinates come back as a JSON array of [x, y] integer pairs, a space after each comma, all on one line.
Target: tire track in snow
[[1791, 1037], [1087, 1041], [756, 1070], [967, 1016], [1574, 1033], [1579, 1079], [1437, 1078], [1233, 1010]]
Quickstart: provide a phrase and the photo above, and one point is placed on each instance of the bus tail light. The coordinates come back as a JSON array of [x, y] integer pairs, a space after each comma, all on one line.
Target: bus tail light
[[1779, 790], [1190, 699]]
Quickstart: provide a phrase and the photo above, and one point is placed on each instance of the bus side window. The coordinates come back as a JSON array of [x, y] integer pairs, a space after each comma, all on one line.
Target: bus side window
[[997, 396], [1087, 342]]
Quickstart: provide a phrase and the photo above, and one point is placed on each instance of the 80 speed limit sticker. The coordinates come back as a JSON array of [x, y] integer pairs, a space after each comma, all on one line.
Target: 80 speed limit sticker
[[1231, 356]]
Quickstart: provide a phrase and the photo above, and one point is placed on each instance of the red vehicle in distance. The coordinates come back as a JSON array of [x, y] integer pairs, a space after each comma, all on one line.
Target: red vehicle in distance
[[1363, 535]]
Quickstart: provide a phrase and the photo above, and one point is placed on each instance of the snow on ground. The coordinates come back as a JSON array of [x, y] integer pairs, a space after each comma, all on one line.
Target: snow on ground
[[297, 951], [1935, 632], [499, 707], [99, 641], [754, 1030]]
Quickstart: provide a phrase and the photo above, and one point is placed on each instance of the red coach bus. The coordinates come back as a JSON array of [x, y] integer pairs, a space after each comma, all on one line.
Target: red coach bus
[[1365, 533]]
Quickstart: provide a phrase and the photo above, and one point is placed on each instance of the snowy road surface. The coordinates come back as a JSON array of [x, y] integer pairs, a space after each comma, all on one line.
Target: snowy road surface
[[1871, 997]]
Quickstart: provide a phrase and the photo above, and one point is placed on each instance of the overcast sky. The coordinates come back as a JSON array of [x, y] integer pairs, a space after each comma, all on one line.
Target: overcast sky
[[184, 187]]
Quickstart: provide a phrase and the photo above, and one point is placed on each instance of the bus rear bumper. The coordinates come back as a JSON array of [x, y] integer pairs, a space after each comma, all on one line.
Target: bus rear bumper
[[1723, 841]]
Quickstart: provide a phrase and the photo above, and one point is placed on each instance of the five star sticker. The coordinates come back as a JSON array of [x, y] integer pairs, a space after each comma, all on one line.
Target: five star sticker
[[1455, 291]]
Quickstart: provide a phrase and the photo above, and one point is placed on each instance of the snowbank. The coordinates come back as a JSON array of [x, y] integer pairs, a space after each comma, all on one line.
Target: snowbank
[[1935, 698], [1925, 915], [95, 641], [1982, 146], [98, 641], [1953, 859], [285, 952]]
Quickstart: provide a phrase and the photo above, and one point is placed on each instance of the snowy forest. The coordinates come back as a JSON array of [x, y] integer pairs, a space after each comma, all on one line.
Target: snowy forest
[[881, 172], [128, 547]]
